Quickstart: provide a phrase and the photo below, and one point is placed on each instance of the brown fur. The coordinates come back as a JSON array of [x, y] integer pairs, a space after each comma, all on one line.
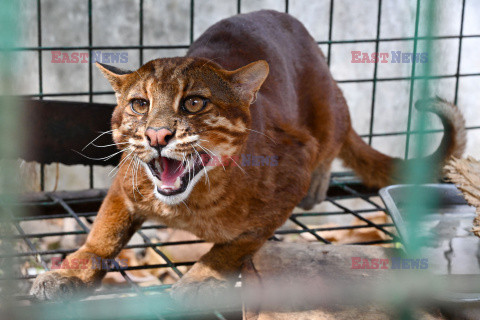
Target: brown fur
[[298, 114]]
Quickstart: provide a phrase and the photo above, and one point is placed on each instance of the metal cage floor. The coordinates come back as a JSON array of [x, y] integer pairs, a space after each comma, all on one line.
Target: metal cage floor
[[81, 207]]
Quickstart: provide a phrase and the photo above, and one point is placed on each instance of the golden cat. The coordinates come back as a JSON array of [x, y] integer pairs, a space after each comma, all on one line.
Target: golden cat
[[252, 85]]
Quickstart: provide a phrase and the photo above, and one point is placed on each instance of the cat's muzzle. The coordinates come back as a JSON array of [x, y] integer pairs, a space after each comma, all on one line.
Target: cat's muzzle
[[172, 176]]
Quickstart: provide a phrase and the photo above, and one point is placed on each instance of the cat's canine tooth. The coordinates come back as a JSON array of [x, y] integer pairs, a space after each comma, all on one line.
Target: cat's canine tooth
[[158, 183], [186, 167], [177, 183], [157, 165]]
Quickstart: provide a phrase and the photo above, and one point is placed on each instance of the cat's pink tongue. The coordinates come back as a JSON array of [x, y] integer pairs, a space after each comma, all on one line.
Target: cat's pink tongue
[[172, 169]]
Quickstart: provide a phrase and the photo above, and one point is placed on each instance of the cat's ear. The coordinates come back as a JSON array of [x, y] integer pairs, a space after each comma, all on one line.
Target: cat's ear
[[248, 79], [114, 75]]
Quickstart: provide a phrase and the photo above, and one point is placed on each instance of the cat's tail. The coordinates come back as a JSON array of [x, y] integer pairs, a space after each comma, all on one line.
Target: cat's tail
[[378, 170]]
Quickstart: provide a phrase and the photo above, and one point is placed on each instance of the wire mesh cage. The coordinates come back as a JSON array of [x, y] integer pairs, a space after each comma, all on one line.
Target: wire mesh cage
[[356, 210], [190, 29]]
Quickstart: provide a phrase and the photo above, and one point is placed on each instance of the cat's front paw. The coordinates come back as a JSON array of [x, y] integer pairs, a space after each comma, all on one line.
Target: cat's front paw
[[54, 286]]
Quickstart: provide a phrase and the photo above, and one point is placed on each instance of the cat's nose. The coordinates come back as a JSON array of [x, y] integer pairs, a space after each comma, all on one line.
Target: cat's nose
[[158, 136]]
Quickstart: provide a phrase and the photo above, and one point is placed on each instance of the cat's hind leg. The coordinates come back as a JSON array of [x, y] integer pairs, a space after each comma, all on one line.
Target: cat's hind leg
[[212, 278], [318, 187]]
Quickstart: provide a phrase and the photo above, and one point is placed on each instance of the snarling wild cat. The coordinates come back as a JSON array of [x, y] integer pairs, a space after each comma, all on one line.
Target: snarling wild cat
[[252, 85]]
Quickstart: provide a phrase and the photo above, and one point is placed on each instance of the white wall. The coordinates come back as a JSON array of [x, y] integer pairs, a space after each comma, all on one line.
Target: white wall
[[115, 22]]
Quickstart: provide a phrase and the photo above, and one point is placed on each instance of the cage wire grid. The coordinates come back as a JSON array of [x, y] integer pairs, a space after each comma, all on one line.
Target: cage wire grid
[[64, 206], [343, 186], [329, 42]]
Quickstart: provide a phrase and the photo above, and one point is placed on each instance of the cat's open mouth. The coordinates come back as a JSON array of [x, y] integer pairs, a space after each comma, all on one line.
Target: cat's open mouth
[[172, 176]]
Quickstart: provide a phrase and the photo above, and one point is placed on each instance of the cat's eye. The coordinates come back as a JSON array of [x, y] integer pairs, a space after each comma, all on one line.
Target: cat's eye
[[139, 106], [194, 104]]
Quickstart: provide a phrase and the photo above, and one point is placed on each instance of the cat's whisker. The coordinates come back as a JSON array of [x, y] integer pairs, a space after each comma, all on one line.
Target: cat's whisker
[[111, 132], [118, 166], [101, 134], [238, 165], [136, 176], [122, 162], [208, 151], [126, 171], [109, 145], [187, 207], [135, 172], [213, 156], [188, 166], [183, 157], [133, 179], [104, 158], [178, 168], [189, 171], [138, 168], [262, 134], [204, 169]]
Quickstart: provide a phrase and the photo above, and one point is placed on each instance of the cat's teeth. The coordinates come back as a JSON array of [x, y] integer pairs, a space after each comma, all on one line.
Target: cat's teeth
[[177, 183], [158, 183], [187, 167], [157, 165], [175, 186]]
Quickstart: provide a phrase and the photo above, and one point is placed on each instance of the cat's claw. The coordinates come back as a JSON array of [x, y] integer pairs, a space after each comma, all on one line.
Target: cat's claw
[[54, 286]]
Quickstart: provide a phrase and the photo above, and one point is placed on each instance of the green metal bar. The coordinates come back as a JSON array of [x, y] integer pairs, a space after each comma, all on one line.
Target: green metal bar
[[375, 67], [330, 25], [140, 33], [192, 20], [10, 141], [40, 78], [39, 41], [421, 170], [459, 58], [90, 75], [412, 81]]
